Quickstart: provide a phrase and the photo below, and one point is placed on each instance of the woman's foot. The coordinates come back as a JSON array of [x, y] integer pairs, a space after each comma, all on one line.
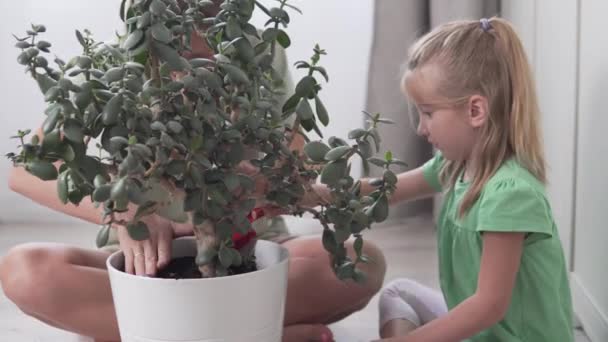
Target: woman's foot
[[307, 333]]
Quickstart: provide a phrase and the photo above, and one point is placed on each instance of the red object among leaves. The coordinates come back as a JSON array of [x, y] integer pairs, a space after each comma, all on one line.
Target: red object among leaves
[[240, 240]]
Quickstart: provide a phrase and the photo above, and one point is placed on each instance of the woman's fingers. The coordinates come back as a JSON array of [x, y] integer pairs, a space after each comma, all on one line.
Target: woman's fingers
[[139, 260], [164, 250], [129, 261], [151, 257]]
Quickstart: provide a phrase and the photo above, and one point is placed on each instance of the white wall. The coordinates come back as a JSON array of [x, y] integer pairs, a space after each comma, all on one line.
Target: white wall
[[345, 37], [22, 102], [570, 53], [591, 234]]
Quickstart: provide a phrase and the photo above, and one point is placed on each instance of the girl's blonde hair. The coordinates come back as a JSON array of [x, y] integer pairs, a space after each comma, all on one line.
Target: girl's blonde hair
[[487, 60]]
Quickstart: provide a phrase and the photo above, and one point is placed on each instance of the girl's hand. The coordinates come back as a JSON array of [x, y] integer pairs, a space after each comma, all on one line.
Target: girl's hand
[[146, 257], [273, 210]]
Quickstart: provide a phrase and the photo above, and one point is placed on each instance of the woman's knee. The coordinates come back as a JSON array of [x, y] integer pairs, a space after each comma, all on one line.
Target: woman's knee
[[375, 269], [28, 274]]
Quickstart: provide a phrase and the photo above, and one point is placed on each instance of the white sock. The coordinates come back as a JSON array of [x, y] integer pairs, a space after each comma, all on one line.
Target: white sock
[[409, 300]]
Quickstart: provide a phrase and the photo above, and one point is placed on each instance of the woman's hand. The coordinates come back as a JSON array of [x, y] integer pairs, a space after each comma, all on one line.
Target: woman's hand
[[261, 182], [146, 257]]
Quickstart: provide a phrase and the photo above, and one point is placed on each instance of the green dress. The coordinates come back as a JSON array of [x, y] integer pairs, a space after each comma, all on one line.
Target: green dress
[[513, 200]]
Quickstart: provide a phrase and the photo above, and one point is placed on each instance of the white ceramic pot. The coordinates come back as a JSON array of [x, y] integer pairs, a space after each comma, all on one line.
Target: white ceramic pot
[[241, 308]]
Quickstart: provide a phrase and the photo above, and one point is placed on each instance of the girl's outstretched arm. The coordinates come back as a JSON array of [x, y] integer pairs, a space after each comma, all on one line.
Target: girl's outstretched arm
[[410, 185]]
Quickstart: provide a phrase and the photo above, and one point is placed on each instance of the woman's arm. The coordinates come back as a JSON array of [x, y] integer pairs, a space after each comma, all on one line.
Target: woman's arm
[[500, 261], [45, 193]]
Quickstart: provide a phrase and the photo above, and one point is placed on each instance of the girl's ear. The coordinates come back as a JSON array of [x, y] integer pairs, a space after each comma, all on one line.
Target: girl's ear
[[478, 110]]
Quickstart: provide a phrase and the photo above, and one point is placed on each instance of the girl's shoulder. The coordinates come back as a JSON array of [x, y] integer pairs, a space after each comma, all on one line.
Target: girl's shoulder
[[514, 200], [512, 176]]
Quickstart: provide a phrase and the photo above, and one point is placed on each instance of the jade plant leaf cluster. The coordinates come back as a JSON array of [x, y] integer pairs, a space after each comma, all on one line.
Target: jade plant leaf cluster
[[136, 124]]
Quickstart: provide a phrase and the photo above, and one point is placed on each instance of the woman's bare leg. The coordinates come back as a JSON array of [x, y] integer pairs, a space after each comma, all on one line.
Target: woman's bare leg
[[315, 296], [69, 288], [66, 287]]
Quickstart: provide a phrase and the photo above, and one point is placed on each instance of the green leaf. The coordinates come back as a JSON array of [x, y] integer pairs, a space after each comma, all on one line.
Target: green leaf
[[390, 177], [333, 172], [161, 33], [306, 86], [75, 196], [146, 209], [114, 74], [51, 141], [236, 74], [225, 256], [388, 156], [201, 62], [62, 187], [170, 55], [377, 161], [386, 121], [365, 149], [316, 151], [175, 127], [346, 271], [80, 39], [376, 137], [209, 77], [321, 111], [45, 82], [157, 7], [144, 20], [68, 154], [119, 189], [337, 153], [85, 62], [380, 211], [356, 133], [102, 193], [112, 110], [335, 142], [233, 29], [375, 182], [232, 181], [158, 126], [290, 105], [99, 180], [42, 169], [176, 167], [244, 50], [329, 241], [283, 39], [270, 34], [138, 231], [134, 39], [358, 246], [103, 236], [304, 110], [52, 94], [73, 130], [342, 234]]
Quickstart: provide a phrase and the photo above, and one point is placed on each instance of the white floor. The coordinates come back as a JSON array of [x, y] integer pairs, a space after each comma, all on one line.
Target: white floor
[[409, 247]]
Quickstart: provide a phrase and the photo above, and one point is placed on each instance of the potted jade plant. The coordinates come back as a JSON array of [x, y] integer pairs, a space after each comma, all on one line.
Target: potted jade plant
[[129, 133]]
